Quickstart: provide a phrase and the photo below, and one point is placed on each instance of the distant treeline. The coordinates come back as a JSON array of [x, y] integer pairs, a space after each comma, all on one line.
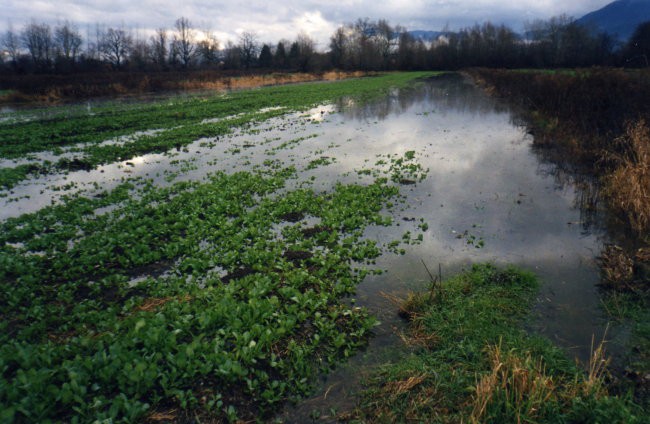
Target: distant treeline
[[362, 45]]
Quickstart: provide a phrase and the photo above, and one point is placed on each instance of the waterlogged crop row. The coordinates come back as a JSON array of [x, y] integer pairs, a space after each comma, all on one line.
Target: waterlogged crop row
[[171, 124], [223, 297], [20, 138]]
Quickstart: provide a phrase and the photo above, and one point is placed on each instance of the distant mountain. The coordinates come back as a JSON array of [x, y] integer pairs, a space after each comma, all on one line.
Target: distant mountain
[[619, 18]]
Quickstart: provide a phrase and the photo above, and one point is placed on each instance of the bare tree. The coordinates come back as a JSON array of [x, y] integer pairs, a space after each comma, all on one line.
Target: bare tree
[[338, 47], [305, 51], [248, 48], [37, 39], [386, 39], [115, 45], [11, 43], [93, 41], [140, 55], [184, 41], [232, 56], [406, 51], [208, 48], [158, 49], [364, 48], [68, 41]]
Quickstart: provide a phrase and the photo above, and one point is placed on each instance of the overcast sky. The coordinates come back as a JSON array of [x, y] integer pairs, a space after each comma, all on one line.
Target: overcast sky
[[276, 19]]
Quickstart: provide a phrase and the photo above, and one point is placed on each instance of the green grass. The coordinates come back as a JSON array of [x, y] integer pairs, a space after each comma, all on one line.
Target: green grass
[[633, 310], [475, 363]]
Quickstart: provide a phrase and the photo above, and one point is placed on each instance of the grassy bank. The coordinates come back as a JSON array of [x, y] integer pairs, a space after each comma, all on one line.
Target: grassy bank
[[472, 362], [160, 126]]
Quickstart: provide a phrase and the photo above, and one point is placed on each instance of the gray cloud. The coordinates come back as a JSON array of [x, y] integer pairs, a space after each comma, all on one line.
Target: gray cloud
[[273, 20]]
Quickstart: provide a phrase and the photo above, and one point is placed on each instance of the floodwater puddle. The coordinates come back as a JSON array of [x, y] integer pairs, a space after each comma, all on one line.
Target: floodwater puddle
[[488, 196]]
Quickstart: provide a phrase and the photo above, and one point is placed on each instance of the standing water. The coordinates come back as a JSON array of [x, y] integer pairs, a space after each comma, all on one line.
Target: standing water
[[488, 197]]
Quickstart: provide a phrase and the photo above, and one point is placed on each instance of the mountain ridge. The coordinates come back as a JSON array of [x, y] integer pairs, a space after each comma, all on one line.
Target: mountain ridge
[[619, 18]]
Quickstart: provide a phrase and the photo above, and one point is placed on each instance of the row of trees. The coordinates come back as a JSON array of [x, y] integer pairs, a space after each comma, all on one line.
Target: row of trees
[[40, 48], [557, 42], [364, 44]]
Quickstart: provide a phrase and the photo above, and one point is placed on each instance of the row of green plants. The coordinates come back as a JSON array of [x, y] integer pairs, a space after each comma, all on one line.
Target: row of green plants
[[220, 299], [74, 125], [472, 361], [182, 121]]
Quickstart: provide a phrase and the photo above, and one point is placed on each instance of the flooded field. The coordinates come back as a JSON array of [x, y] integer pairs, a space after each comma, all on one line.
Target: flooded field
[[471, 189]]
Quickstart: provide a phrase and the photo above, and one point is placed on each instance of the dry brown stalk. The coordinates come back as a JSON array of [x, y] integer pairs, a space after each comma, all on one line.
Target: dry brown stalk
[[643, 254], [253, 81], [523, 382], [628, 187], [396, 388], [154, 303], [170, 415], [598, 364], [617, 266]]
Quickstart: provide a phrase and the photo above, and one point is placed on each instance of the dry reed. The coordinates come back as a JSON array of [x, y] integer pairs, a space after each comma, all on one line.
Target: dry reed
[[521, 383], [522, 387], [616, 266], [628, 187]]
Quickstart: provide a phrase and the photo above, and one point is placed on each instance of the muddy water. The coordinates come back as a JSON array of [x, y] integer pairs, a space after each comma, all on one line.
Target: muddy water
[[488, 197]]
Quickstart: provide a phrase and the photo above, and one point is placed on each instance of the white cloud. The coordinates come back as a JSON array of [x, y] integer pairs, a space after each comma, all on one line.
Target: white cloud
[[314, 25]]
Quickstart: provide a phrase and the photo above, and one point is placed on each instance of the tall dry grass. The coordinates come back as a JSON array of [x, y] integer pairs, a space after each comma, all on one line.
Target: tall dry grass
[[519, 389], [518, 384], [61, 88], [261, 80], [628, 186]]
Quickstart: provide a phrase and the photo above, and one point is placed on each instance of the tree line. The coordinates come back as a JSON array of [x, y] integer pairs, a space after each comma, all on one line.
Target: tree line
[[362, 45]]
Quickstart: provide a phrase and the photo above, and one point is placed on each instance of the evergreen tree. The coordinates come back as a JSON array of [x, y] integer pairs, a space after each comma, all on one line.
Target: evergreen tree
[[266, 58], [280, 58]]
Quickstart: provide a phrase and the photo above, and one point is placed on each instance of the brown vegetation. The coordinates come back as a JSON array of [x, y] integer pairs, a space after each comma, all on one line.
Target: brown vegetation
[[61, 88], [523, 382], [628, 186], [617, 267], [578, 110]]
